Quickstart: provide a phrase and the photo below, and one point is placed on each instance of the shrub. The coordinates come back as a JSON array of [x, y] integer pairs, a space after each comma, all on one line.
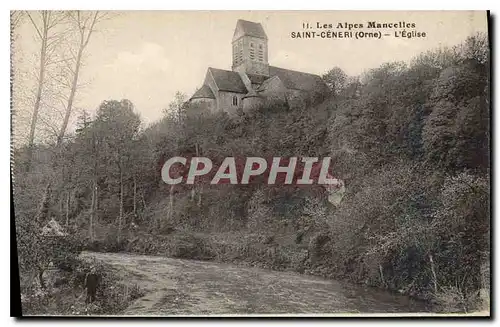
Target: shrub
[[66, 251], [189, 247], [452, 299]]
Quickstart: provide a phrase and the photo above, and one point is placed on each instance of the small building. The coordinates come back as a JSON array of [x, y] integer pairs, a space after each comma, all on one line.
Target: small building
[[252, 81], [53, 229]]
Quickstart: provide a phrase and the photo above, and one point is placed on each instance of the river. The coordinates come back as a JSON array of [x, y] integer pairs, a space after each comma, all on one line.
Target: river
[[190, 287]]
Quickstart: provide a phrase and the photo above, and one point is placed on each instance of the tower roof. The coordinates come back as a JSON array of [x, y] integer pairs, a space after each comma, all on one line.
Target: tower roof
[[247, 28]]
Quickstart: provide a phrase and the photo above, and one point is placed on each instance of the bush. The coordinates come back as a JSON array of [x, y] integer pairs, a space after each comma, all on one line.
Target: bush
[[66, 251], [188, 246], [68, 298], [113, 297], [452, 299], [108, 243]]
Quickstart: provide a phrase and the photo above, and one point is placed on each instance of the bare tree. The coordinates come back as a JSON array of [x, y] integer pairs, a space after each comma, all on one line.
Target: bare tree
[[46, 25], [16, 17], [85, 25]]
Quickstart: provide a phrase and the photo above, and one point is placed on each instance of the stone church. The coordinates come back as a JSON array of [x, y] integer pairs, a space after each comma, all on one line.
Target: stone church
[[252, 81]]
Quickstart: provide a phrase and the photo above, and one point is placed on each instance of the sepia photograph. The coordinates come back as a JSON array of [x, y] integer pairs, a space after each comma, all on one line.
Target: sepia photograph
[[250, 163]]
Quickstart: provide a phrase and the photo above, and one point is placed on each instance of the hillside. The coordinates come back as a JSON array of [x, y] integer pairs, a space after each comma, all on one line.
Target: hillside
[[411, 143]]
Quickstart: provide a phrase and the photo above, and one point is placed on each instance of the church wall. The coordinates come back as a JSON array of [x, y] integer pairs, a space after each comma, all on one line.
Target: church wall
[[251, 103], [226, 102], [201, 104]]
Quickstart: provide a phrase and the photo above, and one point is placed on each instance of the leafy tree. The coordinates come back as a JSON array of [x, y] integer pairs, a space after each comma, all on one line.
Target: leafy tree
[[335, 79], [177, 107]]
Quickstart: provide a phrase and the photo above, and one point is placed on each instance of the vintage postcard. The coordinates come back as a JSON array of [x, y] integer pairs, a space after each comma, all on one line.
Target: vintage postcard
[[251, 163]]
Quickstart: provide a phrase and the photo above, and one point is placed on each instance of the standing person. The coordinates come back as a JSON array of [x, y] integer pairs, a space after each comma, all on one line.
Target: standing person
[[91, 283]]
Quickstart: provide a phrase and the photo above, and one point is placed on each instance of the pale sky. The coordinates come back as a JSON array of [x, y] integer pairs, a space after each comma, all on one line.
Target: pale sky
[[147, 56]]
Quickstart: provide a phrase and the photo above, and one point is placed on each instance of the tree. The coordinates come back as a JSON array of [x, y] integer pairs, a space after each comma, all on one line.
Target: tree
[[177, 107], [462, 222], [476, 48], [85, 25], [16, 17], [45, 24], [335, 79], [455, 134], [117, 127]]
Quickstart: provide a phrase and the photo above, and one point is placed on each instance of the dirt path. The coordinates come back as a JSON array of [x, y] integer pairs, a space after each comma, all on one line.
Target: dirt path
[[188, 287]]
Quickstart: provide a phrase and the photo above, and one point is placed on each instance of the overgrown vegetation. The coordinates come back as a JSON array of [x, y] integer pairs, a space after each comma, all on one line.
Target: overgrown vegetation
[[64, 294], [410, 141]]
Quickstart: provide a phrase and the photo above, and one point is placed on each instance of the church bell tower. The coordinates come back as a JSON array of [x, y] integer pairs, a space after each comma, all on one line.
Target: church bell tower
[[250, 48]]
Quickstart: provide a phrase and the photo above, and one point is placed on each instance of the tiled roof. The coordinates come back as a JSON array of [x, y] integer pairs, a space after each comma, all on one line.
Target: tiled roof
[[204, 93], [227, 80], [265, 84], [297, 80], [230, 81]]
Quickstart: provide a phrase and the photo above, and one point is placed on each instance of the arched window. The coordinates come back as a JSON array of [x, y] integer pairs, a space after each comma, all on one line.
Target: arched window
[[235, 100]]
